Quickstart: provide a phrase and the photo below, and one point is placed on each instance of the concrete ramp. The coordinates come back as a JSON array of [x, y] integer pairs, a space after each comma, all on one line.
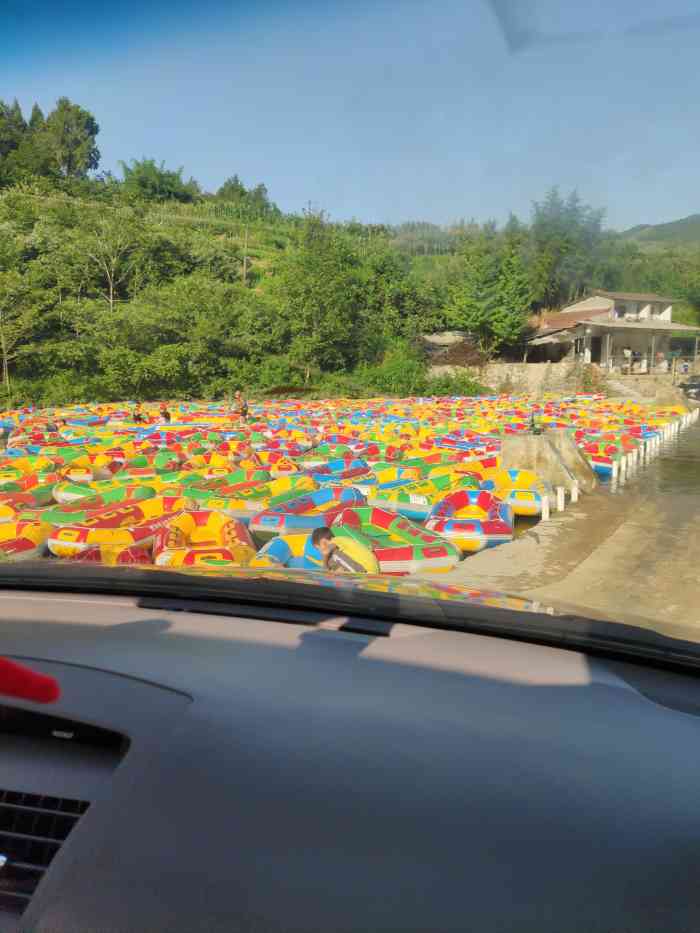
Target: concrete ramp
[[573, 459], [619, 389], [553, 456]]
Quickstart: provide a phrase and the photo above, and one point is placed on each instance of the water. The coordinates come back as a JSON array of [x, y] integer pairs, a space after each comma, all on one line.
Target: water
[[670, 479], [676, 473], [669, 484], [523, 524], [633, 552], [652, 563]]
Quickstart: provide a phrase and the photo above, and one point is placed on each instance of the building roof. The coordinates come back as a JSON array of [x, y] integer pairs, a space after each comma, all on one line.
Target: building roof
[[658, 327], [597, 307], [661, 327], [631, 296], [563, 320], [548, 337]]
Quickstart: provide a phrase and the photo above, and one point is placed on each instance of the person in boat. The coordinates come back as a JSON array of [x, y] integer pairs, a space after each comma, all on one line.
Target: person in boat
[[534, 427], [165, 414], [334, 559], [138, 416], [55, 425], [241, 405]]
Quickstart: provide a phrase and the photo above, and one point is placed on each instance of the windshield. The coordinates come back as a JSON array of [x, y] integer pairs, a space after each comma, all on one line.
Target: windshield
[[357, 295]]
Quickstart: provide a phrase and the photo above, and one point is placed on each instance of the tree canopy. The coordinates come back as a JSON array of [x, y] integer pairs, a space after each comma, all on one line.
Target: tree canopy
[[248, 202], [144, 178], [147, 285], [69, 135]]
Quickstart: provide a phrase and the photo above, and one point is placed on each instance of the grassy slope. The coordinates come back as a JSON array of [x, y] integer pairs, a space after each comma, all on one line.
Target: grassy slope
[[264, 238], [686, 230]]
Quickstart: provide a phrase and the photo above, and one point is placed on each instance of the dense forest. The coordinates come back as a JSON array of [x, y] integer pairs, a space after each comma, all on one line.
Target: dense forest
[[147, 286]]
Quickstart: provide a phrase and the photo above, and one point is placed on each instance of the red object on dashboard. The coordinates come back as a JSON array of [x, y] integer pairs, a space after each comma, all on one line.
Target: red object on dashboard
[[16, 680]]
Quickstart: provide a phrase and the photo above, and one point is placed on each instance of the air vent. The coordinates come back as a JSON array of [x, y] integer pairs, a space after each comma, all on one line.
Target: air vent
[[32, 830], [30, 724]]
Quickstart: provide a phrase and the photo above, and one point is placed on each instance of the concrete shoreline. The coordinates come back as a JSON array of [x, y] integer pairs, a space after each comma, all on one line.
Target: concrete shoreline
[[629, 555], [549, 551]]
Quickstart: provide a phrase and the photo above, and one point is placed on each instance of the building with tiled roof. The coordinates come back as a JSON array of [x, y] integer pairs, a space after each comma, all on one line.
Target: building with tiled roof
[[626, 330]]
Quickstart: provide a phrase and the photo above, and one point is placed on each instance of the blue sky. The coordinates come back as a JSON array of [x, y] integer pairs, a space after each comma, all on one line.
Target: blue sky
[[387, 110]]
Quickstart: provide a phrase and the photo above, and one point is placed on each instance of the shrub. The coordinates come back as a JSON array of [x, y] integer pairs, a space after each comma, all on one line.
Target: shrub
[[402, 372], [461, 384]]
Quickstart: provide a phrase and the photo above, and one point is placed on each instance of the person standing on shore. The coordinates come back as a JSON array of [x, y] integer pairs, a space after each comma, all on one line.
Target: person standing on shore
[[627, 354]]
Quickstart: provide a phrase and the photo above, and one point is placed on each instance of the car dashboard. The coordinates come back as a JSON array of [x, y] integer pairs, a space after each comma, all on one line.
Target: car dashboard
[[302, 772]]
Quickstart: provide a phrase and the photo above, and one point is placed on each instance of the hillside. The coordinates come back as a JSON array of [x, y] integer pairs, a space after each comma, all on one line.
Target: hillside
[[150, 287], [683, 231]]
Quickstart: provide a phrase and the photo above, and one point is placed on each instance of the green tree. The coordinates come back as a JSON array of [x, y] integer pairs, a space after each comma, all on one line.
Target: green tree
[[143, 178], [397, 302], [513, 299], [69, 135], [232, 189], [17, 318], [474, 299], [389, 301], [31, 159], [109, 243], [12, 132], [566, 239], [12, 127], [37, 121], [221, 257], [251, 204], [319, 290]]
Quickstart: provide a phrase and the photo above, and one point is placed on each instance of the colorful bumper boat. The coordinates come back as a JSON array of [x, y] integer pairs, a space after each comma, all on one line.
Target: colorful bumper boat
[[12, 504], [114, 555], [228, 484], [399, 545], [523, 490], [298, 551], [196, 537], [304, 513], [386, 475], [79, 511], [244, 501], [344, 470], [416, 500], [473, 519], [23, 540], [127, 525]]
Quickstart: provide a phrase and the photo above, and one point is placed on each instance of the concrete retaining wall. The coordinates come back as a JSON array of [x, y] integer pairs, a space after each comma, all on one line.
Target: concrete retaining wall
[[534, 452], [572, 458], [513, 378], [517, 377], [536, 379], [647, 386], [553, 456]]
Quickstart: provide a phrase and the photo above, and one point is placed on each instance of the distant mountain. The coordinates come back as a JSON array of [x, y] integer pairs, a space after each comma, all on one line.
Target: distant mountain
[[686, 230]]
